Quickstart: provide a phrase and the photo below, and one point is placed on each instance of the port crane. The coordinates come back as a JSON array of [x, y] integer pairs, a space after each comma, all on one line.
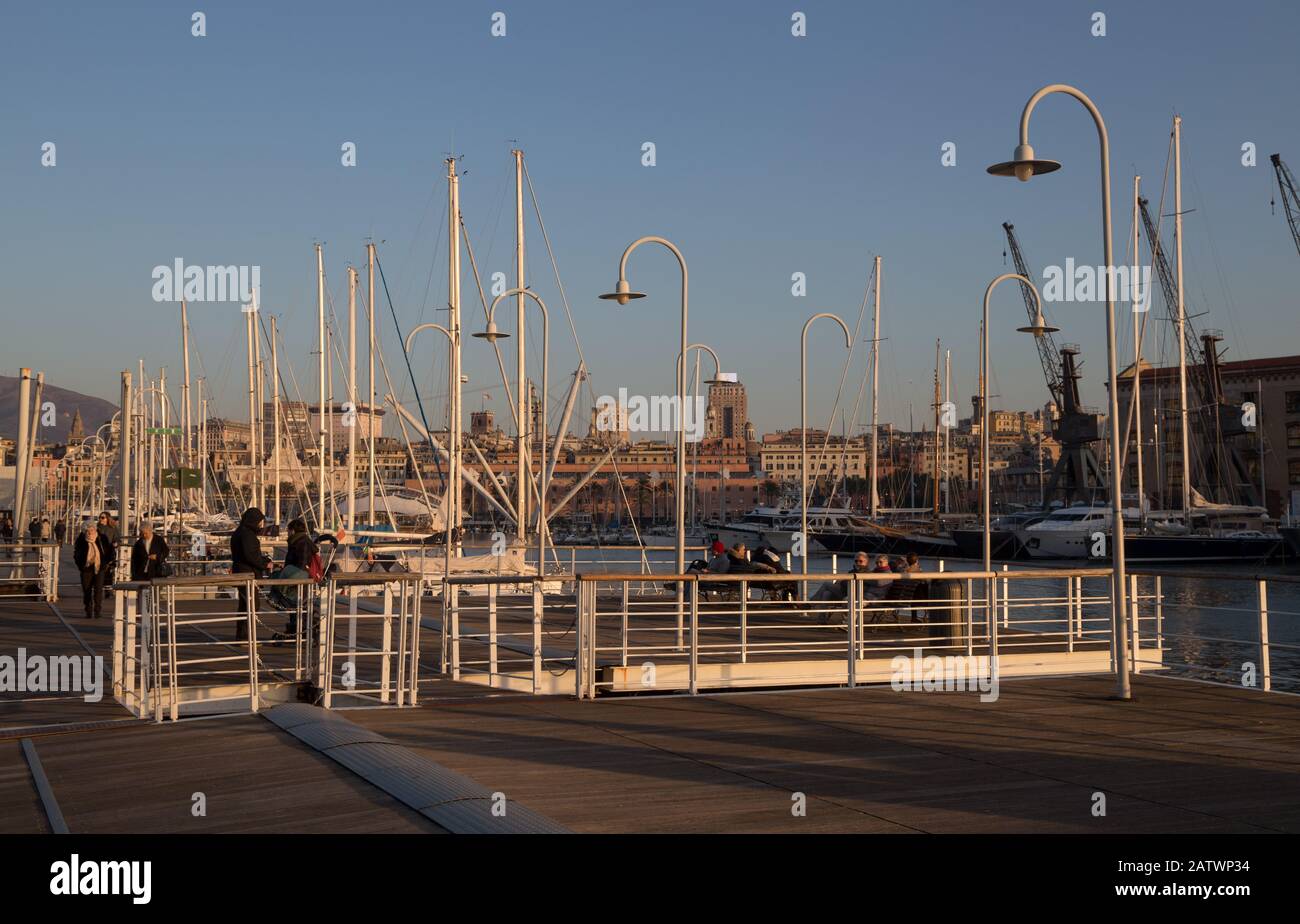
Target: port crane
[[1290, 197], [1077, 473]]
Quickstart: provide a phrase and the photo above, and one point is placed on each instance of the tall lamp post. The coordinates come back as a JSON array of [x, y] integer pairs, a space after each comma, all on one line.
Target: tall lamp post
[[717, 379], [1022, 166], [453, 447], [622, 294], [803, 425], [492, 334], [1038, 329]]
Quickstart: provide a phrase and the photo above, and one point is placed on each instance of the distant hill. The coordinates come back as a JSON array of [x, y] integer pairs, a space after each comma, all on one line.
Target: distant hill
[[94, 411]]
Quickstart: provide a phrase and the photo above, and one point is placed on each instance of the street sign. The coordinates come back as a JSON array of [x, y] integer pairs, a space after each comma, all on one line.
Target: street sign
[[181, 478], [164, 431]]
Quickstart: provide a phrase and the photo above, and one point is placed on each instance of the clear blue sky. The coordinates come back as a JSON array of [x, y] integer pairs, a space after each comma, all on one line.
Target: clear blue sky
[[775, 155]]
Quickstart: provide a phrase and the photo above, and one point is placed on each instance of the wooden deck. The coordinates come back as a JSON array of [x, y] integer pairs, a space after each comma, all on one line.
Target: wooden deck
[[1182, 758]]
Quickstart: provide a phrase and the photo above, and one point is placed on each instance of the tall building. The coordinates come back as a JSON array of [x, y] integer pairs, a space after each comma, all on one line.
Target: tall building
[[76, 430], [728, 410]]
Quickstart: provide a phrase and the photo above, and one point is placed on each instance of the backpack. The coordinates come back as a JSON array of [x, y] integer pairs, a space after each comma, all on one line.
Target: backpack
[[316, 568]]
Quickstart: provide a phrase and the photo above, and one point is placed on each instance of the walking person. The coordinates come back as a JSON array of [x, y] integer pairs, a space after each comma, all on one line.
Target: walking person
[[6, 529], [149, 556], [94, 559], [246, 558], [60, 531]]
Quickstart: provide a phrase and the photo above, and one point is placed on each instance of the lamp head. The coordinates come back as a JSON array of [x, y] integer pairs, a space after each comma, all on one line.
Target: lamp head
[[1039, 327], [722, 378], [1024, 165], [492, 334], [623, 293]]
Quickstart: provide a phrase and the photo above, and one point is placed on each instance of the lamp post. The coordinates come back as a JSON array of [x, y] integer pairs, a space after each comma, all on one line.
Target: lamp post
[[1022, 166], [492, 334], [1038, 328], [453, 447], [716, 380], [803, 426], [622, 294]]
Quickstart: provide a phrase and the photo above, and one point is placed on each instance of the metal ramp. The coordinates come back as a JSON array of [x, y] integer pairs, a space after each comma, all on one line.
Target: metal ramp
[[449, 799]]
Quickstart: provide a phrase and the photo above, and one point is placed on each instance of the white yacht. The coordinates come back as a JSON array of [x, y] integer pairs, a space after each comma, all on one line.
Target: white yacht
[[776, 526]]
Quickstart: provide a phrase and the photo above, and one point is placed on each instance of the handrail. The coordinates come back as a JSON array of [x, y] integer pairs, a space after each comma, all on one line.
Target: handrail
[[615, 577]]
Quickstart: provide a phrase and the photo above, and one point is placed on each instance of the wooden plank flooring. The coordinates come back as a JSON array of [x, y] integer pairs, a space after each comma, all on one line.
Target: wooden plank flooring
[[1183, 757]]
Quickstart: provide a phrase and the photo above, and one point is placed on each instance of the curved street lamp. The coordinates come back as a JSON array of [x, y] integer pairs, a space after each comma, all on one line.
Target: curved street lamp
[[623, 294], [1023, 165], [491, 335], [803, 425], [1038, 329], [453, 437]]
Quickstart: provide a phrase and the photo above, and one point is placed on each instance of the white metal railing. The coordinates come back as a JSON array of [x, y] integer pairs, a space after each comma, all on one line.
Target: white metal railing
[[29, 571], [1257, 626], [374, 656]]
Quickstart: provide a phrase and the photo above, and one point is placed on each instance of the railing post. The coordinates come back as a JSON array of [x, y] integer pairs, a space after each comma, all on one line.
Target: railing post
[[492, 634], [252, 646], [416, 590], [852, 624], [327, 644], [1265, 672], [991, 616], [1069, 613], [835, 563], [1137, 622], [744, 621], [444, 621], [695, 636], [385, 671], [580, 642], [455, 632], [623, 623], [1006, 599], [538, 601], [1160, 614], [970, 618]]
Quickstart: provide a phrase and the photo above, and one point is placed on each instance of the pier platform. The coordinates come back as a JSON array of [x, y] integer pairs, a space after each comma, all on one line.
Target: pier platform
[[1182, 757]]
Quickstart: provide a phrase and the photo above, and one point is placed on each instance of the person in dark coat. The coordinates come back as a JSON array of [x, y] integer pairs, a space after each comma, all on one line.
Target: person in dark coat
[[299, 552], [93, 555], [246, 558], [60, 531], [148, 555]]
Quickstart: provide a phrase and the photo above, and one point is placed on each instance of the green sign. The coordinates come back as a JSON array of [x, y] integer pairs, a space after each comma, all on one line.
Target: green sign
[[181, 478], [164, 431]]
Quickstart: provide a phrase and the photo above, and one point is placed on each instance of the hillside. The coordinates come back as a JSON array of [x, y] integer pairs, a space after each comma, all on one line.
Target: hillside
[[94, 411]]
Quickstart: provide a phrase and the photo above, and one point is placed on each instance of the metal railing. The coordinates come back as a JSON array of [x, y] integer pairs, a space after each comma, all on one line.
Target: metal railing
[[1220, 626], [29, 571], [373, 662]]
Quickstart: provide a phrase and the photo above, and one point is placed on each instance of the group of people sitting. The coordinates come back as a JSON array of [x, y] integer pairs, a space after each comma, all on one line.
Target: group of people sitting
[[766, 560]]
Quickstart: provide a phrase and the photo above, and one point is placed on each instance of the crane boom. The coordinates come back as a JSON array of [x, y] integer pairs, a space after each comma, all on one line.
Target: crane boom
[[1048, 352], [1290, 197]]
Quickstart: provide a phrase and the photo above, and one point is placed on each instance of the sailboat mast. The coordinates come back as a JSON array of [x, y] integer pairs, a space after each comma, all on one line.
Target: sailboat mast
[[252, 401], [451, 509], [370, 431], [352, 398], [1182, 319], [934, 471], [187, 411], [275, 418], [522, 467], [320, 386], [875, 386], [1137, 357], [947, 434]]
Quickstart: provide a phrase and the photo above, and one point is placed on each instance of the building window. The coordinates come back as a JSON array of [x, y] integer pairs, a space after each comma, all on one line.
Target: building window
[[1293, 402], [1293, 436], [1293, 471]]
